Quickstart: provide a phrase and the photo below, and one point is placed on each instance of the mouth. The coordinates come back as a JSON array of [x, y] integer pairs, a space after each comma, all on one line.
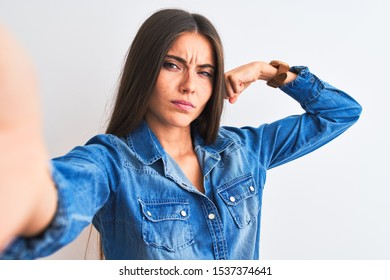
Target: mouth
[[183, 105]]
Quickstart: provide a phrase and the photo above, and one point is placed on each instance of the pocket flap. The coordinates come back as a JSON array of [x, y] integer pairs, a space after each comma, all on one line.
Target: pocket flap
[[167, 209], [238, 190]]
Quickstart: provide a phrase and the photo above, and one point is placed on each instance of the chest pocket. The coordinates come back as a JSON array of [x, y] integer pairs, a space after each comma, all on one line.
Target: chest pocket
[[241, 198], [166, 224]]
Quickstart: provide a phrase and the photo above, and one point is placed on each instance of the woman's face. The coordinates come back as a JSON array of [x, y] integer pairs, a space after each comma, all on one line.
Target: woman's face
[[184, 84]]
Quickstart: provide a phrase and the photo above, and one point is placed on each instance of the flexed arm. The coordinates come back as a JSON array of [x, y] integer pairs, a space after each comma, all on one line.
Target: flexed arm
[[329, 112], [27, 194], [238, 79]]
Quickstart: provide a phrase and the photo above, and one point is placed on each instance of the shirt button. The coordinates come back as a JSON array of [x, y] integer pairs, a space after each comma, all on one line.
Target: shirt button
[[211, 216], [252, 188], [149, 214], [183, 213], [232, 199]]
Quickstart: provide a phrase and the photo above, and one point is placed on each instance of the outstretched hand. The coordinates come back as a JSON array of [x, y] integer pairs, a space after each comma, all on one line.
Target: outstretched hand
[[27, 194]]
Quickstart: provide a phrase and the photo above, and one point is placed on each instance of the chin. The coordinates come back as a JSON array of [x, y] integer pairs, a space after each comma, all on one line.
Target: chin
[[181, 122]]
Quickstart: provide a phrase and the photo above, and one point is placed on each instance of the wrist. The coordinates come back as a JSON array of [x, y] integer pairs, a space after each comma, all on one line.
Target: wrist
[[281, 74], [266, 71]]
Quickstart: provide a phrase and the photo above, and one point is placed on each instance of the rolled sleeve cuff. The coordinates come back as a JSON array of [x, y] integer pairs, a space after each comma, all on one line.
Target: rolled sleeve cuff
[[305, 87]]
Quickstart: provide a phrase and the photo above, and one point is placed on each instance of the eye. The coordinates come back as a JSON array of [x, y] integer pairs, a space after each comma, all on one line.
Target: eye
[[207, 74], [170, 65]]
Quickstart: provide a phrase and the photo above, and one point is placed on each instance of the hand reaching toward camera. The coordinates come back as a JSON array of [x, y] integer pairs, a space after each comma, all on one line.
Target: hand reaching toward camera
[[27, 193]]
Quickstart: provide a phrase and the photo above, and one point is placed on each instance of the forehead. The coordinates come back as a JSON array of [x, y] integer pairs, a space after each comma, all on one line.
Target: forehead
[[193, 47]]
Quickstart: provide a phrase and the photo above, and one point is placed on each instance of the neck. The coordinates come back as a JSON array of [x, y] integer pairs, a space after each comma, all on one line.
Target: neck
[[176, 141]]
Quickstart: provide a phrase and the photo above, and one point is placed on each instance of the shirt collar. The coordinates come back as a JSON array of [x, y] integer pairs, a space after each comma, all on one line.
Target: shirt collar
[[222, 142], [145, 144], [148, 149]]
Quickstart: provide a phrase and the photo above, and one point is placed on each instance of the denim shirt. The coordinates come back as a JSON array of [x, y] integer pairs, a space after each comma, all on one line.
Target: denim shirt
[[144, 206]]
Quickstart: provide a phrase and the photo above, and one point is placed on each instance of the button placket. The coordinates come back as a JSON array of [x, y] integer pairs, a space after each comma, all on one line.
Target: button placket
[[216, 229]]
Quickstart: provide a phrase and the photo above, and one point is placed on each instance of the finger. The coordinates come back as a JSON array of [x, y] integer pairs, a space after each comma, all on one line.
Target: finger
[[229, 88], [233, 99], [236, 84]]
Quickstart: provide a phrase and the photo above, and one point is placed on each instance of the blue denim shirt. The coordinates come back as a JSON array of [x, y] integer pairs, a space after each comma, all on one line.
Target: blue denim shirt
[[144, 206]]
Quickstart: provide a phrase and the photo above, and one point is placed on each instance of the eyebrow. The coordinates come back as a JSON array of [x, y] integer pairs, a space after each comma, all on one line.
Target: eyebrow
[[182, 60]]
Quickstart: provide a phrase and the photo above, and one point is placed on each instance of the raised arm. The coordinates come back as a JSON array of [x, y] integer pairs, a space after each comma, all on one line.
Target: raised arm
[[28, 197], [328, 113], [238, 79]]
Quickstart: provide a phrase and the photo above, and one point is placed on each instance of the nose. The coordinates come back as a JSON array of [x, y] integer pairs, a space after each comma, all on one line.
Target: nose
[[188, 83]]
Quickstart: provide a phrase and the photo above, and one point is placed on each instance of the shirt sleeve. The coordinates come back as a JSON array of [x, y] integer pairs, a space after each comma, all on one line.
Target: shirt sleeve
[[85, 178], [328, 113]]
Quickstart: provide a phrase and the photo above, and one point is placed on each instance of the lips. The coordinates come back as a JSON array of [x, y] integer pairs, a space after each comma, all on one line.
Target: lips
[[183, 105]]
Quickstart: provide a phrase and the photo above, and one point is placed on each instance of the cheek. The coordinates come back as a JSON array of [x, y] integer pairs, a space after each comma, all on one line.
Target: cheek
[[160, 90], [203, 99], [207, 92], [164, 87], [162, 81]]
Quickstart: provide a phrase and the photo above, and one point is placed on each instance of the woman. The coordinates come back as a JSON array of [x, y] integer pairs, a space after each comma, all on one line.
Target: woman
[[166, 181]]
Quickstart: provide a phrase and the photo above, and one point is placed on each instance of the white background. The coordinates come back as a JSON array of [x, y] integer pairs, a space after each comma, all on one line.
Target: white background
[[331, 204]]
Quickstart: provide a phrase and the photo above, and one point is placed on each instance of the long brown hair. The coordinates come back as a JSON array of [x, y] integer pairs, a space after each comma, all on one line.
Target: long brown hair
[[144, 61]]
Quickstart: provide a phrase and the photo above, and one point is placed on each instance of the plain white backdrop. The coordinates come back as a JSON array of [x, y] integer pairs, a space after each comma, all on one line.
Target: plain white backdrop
[[331, 204]]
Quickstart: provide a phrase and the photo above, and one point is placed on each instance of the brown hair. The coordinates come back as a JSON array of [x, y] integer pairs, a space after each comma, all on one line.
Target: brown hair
[[144, 61]]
